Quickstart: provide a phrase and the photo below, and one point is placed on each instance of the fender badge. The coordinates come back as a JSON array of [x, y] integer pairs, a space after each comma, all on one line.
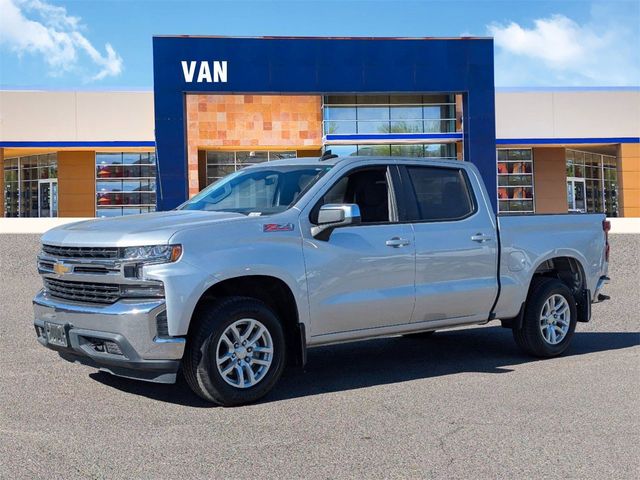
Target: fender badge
[[277, 227]]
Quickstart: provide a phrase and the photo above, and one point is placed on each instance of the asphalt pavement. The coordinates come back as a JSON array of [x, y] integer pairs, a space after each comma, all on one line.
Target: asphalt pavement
[[461, 404]]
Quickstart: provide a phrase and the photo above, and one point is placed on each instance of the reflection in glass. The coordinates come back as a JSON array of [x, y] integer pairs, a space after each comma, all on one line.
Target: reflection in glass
[[374, 114], [222, 163], [343, 150], [22, 176], [515, 180], [599, 173], [374, 150], [124, 179]]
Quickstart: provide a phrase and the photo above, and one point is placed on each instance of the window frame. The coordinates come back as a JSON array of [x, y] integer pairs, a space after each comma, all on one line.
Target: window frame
[[507, 151], [396, 207], [145, 159], [410, 199]]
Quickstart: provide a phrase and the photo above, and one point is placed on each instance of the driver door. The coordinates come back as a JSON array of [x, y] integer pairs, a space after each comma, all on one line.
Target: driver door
[[362, 277]]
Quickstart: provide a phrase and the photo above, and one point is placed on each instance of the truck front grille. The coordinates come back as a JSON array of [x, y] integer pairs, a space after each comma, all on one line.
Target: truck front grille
[[82, 291], [81, 252]]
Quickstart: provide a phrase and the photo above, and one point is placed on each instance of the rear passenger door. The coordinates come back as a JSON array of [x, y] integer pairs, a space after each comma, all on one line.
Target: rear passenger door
[[456, 244]]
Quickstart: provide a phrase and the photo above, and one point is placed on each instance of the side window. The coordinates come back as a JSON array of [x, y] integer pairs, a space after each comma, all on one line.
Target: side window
[[441, 193], [368, 189]]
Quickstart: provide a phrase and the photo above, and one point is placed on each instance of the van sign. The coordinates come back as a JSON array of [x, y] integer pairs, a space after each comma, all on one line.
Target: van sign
[[207, 72]]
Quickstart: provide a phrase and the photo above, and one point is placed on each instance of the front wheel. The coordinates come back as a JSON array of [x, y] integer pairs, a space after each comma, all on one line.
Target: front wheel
[[549, 319], [236, 352]]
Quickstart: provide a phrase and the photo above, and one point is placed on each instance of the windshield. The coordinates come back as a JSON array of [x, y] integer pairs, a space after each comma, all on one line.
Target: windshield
[[257, 191]]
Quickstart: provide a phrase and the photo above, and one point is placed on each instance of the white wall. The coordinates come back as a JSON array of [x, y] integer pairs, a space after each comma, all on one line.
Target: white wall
[[76, 116], [128, 116], [568, 114]]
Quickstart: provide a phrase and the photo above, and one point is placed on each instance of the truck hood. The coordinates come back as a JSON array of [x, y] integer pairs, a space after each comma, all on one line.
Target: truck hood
[[133, 230]]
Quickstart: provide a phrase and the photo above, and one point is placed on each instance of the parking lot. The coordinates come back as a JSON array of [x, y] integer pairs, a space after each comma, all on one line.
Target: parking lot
[[460, 404]]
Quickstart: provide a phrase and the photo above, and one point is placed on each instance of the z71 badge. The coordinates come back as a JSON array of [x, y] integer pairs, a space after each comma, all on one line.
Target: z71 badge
[[277, 227]]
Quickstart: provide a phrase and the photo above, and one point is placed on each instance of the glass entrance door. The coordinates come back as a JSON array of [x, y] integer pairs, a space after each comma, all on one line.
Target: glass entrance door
[[48, 198], [576, 188]]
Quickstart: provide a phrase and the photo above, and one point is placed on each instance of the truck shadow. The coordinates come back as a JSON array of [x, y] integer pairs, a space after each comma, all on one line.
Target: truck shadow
[[390, 360]]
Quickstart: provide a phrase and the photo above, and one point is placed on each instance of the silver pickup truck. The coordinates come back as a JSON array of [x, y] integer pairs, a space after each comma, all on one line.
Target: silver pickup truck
[[292, 254]]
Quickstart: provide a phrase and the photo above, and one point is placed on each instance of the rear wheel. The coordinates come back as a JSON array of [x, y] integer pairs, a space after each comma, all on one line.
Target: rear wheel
[[549, 319], [236, 352]]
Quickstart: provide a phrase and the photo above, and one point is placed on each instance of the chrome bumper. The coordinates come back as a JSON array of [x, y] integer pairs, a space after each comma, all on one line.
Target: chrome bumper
[[130, 324]]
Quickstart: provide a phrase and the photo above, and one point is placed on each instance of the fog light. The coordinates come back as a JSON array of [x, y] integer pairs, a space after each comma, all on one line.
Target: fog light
[[162, 326], [112, 348], [39, 331]]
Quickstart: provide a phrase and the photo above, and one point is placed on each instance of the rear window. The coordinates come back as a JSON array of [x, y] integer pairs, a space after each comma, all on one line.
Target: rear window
[[441, 193]]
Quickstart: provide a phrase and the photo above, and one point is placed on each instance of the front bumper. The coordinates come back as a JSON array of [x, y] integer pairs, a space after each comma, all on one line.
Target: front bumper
[[130, 324]]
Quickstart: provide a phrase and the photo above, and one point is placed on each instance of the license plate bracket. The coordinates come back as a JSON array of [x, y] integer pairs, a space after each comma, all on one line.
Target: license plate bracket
[[56, 334]]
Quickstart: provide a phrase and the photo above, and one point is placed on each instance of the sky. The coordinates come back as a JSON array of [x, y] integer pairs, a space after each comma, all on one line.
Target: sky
[[106, 44]]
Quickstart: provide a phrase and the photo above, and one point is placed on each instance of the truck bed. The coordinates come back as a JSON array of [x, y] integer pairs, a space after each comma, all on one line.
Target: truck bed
[[527, 241]]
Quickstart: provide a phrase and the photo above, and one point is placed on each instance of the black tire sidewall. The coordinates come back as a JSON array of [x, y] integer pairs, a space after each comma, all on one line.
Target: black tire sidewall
[[208, 376], [539, 296]]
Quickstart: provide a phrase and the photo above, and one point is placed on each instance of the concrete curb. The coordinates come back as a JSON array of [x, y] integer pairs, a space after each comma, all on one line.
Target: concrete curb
[[41, 225], [625, 225]]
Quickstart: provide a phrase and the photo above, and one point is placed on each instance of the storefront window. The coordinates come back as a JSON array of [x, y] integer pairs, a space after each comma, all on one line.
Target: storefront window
[[30, 186], [221, 163], [431, 150], [375, 114], [125, 183], [592, 182], [515, 181]]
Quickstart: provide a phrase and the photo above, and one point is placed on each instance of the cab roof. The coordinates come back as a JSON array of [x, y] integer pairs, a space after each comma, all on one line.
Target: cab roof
[[318, 162]]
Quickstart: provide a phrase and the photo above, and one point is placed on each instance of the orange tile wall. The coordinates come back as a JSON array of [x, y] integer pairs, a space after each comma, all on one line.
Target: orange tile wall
[[550, 179], [629, 177], [77, 183], [241, 122]]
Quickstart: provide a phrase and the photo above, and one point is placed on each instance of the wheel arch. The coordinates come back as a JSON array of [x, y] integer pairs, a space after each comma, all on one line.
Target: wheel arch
[[566, 268], [569, 270], [272, 291]]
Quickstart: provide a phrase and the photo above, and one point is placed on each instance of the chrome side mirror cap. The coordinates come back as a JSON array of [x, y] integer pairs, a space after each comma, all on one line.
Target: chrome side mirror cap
[[335, 215]]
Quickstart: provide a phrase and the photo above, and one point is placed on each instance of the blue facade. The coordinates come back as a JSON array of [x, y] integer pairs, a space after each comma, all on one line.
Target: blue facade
[[322, 66]]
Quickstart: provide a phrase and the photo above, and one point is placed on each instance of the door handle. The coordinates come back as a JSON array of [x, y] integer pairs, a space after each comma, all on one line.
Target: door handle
[[481, 237], [397, 242]]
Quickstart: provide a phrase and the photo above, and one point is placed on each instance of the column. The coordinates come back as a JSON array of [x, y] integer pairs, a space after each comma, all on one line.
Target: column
[[629, 179], [550, 180]]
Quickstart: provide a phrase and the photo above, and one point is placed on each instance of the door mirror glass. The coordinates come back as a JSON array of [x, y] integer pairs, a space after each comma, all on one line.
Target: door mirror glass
[[335, 215]]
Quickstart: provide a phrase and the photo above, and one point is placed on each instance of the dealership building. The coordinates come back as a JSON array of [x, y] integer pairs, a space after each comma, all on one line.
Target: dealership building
[[220, 104]]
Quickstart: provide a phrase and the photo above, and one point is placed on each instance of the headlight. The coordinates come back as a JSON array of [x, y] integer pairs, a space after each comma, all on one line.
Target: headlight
[[153, 253]]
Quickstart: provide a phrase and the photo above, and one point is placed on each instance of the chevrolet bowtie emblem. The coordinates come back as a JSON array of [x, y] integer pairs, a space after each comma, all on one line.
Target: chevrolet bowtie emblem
[[60, 268]]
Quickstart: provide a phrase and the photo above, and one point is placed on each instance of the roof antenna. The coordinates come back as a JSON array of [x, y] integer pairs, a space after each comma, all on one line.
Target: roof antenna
[[327, 155]]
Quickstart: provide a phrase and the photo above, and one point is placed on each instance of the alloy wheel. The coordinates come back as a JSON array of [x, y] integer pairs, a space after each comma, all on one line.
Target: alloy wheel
[[244, 353]]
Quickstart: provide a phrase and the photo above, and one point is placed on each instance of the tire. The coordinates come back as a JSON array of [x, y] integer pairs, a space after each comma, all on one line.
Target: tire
[[537, 336], [206, 345], [428, 334]]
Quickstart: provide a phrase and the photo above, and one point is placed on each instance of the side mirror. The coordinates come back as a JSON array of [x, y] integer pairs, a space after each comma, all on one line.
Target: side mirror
[[335, 215]]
